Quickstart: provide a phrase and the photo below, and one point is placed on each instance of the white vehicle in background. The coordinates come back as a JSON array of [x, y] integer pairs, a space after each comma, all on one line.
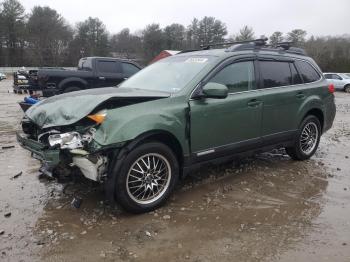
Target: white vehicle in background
[[341, 81], [2, 76]]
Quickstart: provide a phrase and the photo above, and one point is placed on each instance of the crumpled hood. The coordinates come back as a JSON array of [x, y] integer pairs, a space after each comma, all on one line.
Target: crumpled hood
[[67, 109]]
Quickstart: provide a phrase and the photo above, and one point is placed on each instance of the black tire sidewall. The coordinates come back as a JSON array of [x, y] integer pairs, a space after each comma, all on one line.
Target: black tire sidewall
[[299, 153], [121, 193], [347, 89]]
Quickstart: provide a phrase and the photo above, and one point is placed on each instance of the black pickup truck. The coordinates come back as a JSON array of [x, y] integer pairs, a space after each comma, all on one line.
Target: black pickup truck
[[92, 72]]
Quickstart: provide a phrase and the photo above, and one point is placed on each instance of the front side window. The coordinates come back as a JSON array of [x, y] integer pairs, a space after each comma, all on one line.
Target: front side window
[[111, 67], [238, 77], [275, 73], [328, 76], [308, 73], [129, 69]]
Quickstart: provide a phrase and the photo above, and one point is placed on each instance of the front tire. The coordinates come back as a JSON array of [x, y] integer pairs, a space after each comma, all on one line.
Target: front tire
[[307, 139], [347, 89], [147, 177]]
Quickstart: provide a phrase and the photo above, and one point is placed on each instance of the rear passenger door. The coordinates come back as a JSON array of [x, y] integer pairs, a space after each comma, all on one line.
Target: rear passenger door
[[109, 72], [282, 95]]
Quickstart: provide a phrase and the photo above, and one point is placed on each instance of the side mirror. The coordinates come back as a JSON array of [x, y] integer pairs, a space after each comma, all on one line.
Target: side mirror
[[215, 90]]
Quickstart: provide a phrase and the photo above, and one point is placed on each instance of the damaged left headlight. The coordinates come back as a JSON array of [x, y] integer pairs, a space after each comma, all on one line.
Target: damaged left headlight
[[70, 140]]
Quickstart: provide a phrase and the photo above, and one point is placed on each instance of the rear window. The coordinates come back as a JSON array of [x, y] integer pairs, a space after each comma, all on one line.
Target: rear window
[[275, 73], [308, 73], [85, 64]]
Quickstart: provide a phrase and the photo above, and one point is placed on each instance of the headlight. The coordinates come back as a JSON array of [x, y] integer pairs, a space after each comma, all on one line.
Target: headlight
[[99, 117], [71, 140]]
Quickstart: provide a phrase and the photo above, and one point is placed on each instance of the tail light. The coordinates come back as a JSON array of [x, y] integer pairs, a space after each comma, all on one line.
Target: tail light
[[331, 88]]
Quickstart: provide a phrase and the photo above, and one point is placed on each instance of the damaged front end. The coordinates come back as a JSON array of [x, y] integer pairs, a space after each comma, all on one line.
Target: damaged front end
[[72, 130], [66, 147]]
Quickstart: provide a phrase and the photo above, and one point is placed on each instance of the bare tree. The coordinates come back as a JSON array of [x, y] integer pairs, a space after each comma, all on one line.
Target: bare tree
[[276, 37], [297, 36], [48, 36]]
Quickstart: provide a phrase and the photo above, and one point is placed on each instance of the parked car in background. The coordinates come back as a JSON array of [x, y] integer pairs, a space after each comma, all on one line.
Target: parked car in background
[[20, 81], [92, 72], [341, 81], [182, 112], [2, 76]]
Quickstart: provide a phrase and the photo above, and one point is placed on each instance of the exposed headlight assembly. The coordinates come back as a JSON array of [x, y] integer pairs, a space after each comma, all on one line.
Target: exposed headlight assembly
[[70, 140]]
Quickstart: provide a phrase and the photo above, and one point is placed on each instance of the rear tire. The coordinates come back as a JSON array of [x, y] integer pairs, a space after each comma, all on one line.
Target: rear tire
[[307, 139], [146, 178], [71, 89], [347, 89]]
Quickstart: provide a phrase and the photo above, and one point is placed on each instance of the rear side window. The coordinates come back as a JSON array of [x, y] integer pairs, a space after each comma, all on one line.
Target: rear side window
[[129, 69], [308, 73], [295, 75], [108, 66], [238, 77], [336, 77], [275, 73]]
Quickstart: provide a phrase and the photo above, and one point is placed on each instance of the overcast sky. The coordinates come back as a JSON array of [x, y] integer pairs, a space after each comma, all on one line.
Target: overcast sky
[[317, 17]]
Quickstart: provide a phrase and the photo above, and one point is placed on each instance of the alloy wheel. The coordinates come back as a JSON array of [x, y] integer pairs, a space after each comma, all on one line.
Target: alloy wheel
[[148, 178], [309, 138]]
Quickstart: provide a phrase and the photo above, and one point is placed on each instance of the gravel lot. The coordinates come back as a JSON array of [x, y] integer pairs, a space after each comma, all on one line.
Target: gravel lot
[[263, 208]]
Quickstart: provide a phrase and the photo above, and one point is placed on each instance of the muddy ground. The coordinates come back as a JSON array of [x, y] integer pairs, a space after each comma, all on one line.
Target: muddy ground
[[263, 208]]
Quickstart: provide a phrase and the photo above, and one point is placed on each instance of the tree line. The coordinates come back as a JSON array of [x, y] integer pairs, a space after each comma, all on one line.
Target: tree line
[[44, 38]]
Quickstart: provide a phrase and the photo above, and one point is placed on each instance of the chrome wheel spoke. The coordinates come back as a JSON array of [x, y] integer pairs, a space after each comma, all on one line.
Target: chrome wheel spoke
[[309, 137], [148, 178]]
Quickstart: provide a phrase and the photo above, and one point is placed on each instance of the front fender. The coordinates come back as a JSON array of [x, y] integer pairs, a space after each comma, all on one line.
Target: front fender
[[127, 123]]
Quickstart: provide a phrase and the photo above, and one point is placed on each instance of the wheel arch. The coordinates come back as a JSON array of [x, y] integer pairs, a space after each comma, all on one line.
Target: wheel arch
[[162, 136], [72, 81], [317, 112], [154, 135]]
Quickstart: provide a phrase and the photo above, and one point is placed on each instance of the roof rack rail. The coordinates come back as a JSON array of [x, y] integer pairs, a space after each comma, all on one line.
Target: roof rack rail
[[256, 42], [284, 45], [287, 46], [187, 51]]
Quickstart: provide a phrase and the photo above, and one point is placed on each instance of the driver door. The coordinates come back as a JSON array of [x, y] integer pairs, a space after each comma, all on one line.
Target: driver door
[[233, 124]]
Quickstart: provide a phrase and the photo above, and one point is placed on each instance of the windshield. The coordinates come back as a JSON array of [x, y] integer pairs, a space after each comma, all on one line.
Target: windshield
[[170, 74], [85, 64], [347, 76]]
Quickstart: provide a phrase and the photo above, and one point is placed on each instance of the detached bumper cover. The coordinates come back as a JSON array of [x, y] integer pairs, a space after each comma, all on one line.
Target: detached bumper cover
[[50, 157]]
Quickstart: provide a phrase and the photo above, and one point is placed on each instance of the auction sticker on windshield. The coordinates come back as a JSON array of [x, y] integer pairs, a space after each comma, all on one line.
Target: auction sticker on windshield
[[196, 60]]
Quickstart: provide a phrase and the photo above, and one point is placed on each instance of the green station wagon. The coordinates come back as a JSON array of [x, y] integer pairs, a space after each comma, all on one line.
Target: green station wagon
[[196, 107]]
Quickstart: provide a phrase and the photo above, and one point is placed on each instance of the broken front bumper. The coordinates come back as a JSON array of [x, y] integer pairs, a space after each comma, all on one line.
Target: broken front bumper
[[49, 157]]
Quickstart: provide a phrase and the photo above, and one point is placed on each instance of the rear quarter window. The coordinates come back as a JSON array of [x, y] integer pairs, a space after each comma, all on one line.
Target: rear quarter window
[[308, 73]]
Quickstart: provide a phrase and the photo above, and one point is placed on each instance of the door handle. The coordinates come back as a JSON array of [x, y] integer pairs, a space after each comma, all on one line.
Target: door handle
[[254, 103], [101, 78], [300, 95]]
